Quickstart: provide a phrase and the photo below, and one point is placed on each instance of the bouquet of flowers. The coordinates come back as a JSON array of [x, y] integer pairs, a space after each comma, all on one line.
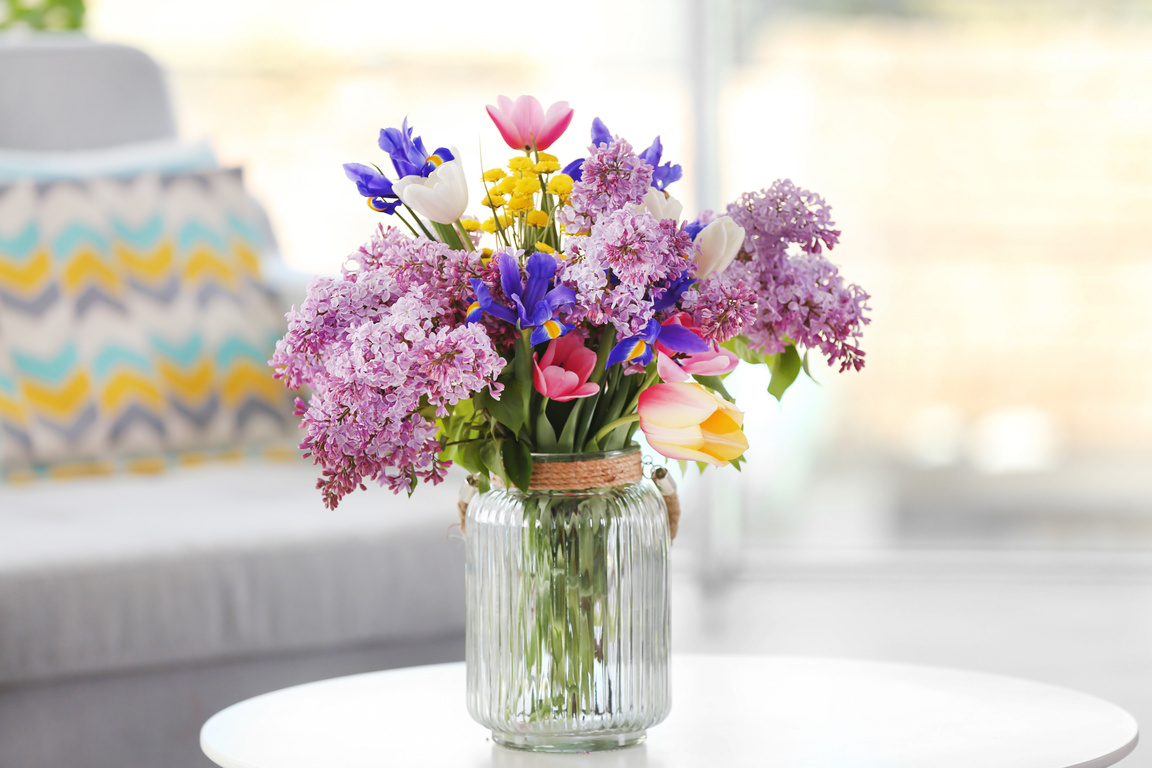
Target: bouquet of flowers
[[578, 308]]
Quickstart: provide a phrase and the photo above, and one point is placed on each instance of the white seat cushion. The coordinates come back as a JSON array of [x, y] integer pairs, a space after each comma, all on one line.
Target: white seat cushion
[[217, 561]]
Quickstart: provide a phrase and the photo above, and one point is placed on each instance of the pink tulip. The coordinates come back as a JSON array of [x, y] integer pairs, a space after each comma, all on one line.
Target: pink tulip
[[562, 374], [686, 421], [524, 121]]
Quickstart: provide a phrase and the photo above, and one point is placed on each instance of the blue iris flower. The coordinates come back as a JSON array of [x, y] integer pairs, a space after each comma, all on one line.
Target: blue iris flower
[[409, 158], [673, 292], [574, 170], [535, 301], [662, 175], [639, 348]]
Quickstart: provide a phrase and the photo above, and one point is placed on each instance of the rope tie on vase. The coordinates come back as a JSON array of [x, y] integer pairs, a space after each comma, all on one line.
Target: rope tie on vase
[[583, 475]]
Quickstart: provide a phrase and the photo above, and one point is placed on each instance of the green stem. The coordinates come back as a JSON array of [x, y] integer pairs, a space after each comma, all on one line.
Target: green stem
[[410, 227], [464, 237], [612, 425]]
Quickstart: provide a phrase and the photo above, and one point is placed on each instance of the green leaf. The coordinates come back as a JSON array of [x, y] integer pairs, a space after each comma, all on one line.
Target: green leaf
[[716, 384], [468, 456], [740, 345], [784, 371], [545, 434], [492, 455], [509, 409], [568, 433], [517, 458]]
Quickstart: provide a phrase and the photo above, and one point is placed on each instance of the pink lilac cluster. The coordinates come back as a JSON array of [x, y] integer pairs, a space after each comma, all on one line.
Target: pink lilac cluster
[[383, 348], [612, 177], [802, 298], [621, 270]]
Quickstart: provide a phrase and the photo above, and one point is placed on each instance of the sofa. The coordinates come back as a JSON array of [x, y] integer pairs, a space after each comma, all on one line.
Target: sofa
[[153, 570]]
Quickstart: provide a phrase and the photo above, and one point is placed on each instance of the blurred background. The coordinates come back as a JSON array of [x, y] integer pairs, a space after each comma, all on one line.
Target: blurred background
[[980, 495]]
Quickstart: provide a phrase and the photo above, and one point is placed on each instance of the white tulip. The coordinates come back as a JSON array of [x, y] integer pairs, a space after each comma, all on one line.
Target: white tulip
[[719, 242], [660, 204], [442, 196]]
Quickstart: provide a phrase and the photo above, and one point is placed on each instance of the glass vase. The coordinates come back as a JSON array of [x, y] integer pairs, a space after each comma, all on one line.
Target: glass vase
[[567, 610]]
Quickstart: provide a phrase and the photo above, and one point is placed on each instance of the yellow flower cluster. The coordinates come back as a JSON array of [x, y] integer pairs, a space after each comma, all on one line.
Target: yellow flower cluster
[[515, 187]]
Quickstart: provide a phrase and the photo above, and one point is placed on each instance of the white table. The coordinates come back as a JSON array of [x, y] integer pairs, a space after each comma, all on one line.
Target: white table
[[726, 711]]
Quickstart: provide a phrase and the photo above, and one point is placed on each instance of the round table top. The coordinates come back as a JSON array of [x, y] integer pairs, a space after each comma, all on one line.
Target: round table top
[[726, 710]]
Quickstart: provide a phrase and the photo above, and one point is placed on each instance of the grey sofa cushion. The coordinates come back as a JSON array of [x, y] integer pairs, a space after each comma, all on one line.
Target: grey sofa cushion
[[215, 562]]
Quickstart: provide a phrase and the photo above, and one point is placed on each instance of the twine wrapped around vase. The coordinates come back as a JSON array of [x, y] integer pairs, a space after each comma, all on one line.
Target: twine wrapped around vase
[[584, 475]]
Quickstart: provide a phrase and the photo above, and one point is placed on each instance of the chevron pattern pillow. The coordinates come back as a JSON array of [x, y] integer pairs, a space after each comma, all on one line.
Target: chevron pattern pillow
[[133, 321]]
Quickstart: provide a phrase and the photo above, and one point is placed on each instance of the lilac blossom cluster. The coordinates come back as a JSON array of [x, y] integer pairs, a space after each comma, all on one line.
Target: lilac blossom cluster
[[623, 269], [612, 177], [802, 298], [384, 351]]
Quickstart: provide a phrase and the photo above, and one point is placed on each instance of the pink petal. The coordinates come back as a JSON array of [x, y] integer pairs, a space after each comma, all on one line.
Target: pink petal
[[549, 353], [559, 382], [581, 362], [676, 405], [584, 390], [527, 114], [506, 127], [715, 363], [555, 123], [669, 370]]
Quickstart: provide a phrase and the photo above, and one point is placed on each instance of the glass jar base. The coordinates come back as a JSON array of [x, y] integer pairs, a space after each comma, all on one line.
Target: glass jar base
[[589, 743]]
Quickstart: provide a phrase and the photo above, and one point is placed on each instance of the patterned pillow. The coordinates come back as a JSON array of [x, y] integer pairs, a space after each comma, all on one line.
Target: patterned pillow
[[133, 321]]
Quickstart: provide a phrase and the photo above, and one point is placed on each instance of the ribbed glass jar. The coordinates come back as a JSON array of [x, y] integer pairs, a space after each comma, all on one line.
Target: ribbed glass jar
[[567, 613]]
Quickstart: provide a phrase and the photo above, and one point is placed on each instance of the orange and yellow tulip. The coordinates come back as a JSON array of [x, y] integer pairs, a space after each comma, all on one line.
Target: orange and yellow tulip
[[683, 420]]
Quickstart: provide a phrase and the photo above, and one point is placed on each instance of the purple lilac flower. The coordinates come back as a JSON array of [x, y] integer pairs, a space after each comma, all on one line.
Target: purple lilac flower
[[725, 305], [623, 272], [378, 347], [803, 299], [612, 177]]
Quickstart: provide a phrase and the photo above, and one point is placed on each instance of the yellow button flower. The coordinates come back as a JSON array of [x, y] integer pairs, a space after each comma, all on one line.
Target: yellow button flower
[[546, 166], [537, 219], [494, 174], [520, 163], [526, 187], [519, 204], [470, 225], [561, 184]]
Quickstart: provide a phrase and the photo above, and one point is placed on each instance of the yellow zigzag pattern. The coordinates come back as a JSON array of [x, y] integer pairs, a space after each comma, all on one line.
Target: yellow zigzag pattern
[[62, 401], [128, 387], [87, 267], [193, 384], [151, 266], [27, 277], [246, 378]]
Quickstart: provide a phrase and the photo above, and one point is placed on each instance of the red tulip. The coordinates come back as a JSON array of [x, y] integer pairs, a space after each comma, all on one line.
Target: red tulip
[[524, 121]]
